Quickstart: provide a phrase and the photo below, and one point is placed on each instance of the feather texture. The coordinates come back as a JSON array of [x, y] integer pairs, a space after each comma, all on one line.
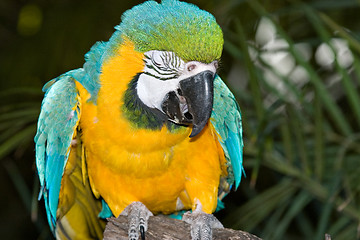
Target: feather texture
[[154, 26], [226, 119], [60, 113]]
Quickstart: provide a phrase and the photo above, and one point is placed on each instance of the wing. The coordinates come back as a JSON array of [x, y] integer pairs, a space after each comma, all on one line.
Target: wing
[[226, 119], [59, 117]]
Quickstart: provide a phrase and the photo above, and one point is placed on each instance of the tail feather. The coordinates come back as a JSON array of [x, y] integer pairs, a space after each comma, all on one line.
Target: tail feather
[[78, 209]]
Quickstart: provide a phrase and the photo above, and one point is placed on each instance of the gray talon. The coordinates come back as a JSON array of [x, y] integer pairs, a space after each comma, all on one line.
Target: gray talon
[[142, 232], [138, 216], [201, 223]]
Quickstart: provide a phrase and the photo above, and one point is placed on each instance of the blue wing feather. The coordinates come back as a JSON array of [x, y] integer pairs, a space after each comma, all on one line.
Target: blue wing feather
[[232, 144], [226, 119], [57, 124]]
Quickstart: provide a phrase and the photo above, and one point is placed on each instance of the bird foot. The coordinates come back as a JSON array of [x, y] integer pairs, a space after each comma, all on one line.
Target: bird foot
[[138, 216], [201, 223]]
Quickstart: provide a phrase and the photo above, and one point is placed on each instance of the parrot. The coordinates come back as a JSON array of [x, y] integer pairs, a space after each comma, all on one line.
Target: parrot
[[146, 126]]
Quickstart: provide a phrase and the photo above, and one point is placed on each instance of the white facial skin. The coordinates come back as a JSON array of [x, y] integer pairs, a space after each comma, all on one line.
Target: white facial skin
[[162, 73]]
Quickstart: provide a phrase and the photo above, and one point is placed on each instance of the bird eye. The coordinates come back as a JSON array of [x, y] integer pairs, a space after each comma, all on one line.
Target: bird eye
[[191, 67]]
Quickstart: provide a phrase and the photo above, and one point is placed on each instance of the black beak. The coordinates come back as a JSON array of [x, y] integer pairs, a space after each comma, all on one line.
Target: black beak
[[193, 102]]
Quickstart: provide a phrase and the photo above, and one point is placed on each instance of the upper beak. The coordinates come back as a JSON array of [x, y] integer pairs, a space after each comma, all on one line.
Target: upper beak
[[198, 92]]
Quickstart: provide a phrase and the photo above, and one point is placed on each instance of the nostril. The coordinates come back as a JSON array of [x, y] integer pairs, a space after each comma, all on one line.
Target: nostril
[[191, 67], [188, 116], [180, 92]]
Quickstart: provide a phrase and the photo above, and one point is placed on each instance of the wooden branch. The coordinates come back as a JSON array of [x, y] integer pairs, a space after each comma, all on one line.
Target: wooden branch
[[161, 227]]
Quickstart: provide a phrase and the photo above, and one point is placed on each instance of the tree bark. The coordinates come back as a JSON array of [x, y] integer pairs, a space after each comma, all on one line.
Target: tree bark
[[161, 227]]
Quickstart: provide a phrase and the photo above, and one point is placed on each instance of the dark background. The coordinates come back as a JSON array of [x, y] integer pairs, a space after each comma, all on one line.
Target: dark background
[[301, 114]]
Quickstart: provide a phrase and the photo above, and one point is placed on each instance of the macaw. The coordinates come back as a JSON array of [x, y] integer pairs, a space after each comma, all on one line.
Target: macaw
[[145, 127]]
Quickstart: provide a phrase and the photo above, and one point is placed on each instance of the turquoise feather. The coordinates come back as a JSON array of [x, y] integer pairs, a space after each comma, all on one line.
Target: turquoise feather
[[226, 119], [105, 211], [88, 76], [56, 125]]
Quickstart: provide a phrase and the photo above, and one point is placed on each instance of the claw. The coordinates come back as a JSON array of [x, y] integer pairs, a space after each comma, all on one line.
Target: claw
[[138, 216], [142, 232], [201, 223]]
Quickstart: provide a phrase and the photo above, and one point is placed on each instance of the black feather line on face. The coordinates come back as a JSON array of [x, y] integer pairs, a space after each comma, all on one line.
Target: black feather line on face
[[139, 114]]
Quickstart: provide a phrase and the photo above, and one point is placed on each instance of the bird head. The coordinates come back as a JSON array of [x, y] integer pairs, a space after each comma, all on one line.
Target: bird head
[[183, 91], [181, 45]]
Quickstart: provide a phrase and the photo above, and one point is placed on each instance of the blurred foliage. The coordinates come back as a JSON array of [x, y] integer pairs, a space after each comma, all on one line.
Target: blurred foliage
[[294, 67]]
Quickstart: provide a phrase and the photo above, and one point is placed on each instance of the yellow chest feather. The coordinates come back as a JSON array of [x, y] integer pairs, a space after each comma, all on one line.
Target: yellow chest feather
[[166, 171]]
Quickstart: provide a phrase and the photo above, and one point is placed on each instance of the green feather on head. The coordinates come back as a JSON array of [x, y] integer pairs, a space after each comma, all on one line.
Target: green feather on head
[[180, 27]]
